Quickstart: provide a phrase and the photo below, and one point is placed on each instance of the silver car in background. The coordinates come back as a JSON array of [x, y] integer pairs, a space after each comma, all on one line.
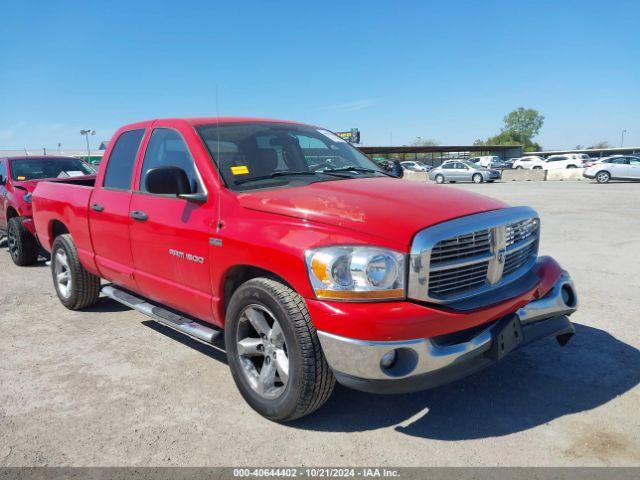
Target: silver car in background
[[461, 171], [614, 168]]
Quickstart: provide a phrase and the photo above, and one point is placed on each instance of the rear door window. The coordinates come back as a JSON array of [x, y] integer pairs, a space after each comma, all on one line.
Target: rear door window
[[121, 160]]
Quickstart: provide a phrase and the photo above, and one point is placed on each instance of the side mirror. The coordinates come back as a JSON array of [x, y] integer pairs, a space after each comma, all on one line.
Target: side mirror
[[396, 169], [171, 181]]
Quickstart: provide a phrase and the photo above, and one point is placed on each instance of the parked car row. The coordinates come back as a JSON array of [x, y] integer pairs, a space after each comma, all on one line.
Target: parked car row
[[554, 162], [314, 271]]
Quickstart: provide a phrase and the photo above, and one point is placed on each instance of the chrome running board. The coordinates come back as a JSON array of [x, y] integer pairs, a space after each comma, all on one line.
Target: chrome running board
[[161, 315]]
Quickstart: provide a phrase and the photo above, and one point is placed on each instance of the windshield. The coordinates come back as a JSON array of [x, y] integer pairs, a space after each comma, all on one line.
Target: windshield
[[260, 155], [38, 168]]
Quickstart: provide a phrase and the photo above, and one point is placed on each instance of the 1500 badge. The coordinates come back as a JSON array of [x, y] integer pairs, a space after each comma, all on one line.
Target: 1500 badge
[[186, 256]]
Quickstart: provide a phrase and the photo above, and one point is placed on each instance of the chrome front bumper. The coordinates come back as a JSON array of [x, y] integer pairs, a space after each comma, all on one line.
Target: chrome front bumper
[[358, 363]]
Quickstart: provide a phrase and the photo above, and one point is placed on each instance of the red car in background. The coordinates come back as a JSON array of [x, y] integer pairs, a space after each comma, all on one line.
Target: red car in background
[[18, 178]]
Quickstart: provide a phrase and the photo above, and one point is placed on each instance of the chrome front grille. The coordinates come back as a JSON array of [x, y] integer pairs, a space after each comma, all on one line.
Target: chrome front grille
[[457, 279], [473, 255], [461, 246], [518, 258], [519, 231]]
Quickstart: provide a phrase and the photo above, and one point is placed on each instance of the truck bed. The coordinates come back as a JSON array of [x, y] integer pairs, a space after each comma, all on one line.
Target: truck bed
[[64, 204]]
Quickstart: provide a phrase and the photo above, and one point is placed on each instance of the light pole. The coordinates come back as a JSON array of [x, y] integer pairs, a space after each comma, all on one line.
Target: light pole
[[86, 134], [622, 139]]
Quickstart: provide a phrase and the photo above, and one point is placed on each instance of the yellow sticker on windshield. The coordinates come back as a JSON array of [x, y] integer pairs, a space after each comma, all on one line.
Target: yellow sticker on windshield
[[240, 170], [21, 177]]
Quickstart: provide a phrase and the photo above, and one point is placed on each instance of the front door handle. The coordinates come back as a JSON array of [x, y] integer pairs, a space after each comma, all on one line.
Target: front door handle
[[139, 215], [96, 207]]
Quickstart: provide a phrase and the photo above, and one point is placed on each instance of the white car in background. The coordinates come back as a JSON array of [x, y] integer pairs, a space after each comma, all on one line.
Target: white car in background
[[614, 168], [557, 162], [487, 161], [415, 166], [527, 162]]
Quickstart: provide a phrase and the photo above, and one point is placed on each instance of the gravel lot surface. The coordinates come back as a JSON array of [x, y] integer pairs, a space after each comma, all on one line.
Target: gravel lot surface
[[107, 387]]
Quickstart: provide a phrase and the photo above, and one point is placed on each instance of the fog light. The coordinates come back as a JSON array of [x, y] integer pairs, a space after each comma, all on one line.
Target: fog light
[[568, 297], [388, 359]]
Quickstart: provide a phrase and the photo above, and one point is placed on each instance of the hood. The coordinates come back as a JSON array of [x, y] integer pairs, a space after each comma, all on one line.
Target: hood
[[30, 185], [389, 208]]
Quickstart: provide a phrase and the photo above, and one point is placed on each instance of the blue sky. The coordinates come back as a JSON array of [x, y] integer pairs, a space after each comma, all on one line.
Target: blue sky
[[396, 69]]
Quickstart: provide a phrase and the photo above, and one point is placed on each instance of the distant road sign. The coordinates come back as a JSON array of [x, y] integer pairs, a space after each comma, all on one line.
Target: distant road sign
[[352, 136]]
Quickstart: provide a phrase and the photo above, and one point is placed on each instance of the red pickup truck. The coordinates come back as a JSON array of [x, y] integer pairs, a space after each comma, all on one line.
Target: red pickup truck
[[18, 179], [317, 264]]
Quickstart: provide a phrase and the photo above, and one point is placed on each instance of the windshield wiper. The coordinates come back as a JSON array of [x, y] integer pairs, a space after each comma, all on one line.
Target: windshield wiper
[[284, 173], [354, 168]]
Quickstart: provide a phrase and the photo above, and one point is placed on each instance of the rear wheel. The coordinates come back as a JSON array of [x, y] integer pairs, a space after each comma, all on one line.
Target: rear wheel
[[519, 167], [274, 352], [439, 178], [477, 178], [571, 166], [23, 247], [75, 286], [537, 168], [603, 177]]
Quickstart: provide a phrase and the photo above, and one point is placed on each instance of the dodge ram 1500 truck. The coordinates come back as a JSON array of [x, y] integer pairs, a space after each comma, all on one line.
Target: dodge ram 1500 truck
[[18, 178], [315, 263]]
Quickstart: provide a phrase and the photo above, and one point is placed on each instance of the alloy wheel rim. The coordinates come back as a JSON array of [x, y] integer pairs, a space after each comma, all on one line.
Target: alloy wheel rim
[[262, 351], [477, 178], [62, 273], [12, 241], [602, 177]]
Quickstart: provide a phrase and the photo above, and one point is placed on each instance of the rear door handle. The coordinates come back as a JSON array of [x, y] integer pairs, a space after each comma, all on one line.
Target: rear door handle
[[139, 215], [96, 207]]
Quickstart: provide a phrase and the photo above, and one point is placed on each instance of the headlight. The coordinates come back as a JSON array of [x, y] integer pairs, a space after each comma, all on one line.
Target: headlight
[[27, 197], [356, 273]]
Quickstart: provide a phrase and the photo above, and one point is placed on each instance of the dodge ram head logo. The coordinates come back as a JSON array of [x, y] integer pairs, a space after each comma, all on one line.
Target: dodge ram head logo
[[186, 256], [495, 268]]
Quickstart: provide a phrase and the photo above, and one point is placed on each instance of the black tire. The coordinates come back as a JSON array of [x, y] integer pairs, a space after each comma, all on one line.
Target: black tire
[[310, 381], [603, 176], [84, 287], [571, 166], [519, 167], [537, 168], [477, 178], [23, 247], [439, 179]]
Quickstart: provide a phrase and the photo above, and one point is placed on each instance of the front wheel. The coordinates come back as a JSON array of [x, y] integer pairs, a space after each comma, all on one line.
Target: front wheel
[[23, 247], [571, 166], [274, 352], [519, 167], [477, 178], [603, 177], [439, 179], [75, 286]]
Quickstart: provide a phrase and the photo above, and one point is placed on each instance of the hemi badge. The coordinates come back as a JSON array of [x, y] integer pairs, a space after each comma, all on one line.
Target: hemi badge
[[216, 242]]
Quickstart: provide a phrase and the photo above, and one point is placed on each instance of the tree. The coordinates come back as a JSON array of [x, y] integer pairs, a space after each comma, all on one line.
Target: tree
[[424, 142], [526, 122], [520, 126], [601, 145], [579, 147]]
